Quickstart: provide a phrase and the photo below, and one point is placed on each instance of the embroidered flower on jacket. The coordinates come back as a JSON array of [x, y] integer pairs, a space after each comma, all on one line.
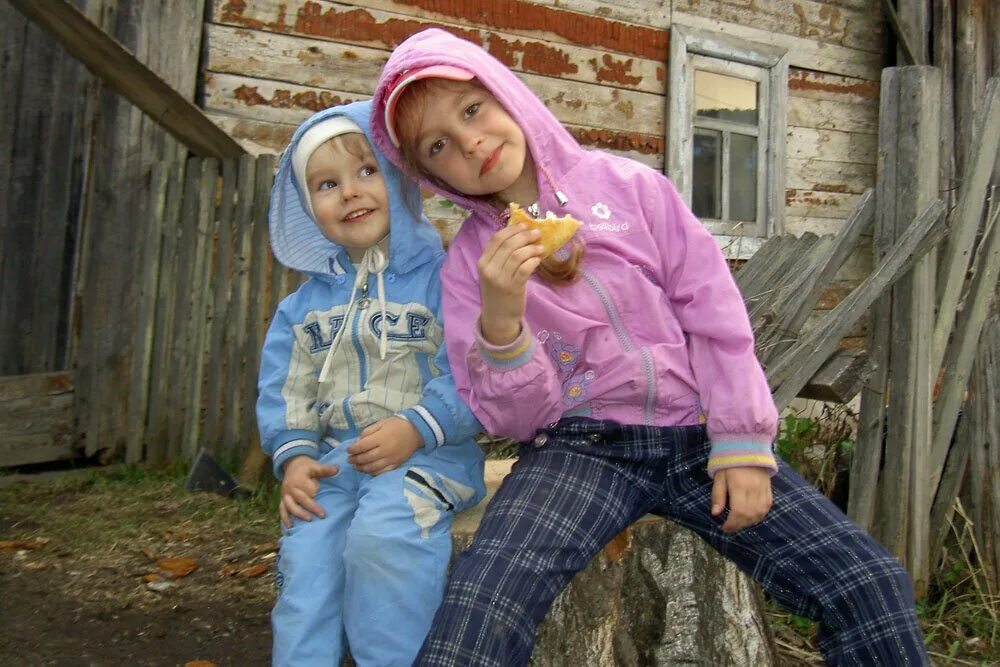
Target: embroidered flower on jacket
[[565, 355], [575, 388], [601, 210]]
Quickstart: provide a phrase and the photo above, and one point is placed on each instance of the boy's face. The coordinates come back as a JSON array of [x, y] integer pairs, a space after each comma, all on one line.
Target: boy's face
[[348, 196], [469, 141]]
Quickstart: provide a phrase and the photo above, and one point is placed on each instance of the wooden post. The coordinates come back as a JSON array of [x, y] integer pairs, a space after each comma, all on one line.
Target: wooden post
[[908, 178]]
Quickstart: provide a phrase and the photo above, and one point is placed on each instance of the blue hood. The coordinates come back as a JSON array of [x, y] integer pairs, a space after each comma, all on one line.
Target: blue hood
[[298, 242]]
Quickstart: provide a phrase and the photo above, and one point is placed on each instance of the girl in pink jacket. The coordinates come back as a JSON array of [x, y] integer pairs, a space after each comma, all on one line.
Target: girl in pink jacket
[[625, 366]]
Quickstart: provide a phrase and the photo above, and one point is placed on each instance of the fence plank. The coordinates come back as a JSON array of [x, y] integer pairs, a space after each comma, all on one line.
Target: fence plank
[[166, 305], [219, 347], [201, 311], [149, 281], [233, 432], [975, 179], [962, 350], [180, 357]]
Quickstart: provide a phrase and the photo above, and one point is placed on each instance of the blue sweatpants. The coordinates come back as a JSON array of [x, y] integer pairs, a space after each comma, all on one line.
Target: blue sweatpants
[[371, 573], [583, 481]]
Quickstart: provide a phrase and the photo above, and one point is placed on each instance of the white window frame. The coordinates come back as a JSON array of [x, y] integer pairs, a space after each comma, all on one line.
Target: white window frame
[[688, 50]]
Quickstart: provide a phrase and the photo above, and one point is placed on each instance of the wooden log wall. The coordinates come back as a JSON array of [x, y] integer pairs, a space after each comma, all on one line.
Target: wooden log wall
[[601, 68]]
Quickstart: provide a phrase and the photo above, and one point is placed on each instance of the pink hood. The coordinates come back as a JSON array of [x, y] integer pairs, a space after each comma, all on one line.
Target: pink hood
[[654, 332]]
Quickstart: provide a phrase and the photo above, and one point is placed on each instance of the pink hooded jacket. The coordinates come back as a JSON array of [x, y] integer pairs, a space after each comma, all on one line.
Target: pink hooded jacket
[[655, 331]]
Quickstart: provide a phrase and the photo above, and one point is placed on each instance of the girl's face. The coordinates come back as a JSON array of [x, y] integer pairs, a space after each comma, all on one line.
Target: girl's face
[[468, 140]]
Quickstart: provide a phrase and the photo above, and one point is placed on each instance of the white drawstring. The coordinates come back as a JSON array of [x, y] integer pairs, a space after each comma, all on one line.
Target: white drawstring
[[373, 262]]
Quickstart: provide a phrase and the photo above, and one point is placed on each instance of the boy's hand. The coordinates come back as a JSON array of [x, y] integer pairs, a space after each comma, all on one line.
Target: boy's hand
[[508, 260], [384, 446], [748, 491], [300, 486]]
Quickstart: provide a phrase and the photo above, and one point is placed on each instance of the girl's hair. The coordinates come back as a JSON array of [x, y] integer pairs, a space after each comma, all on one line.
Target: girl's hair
[[409, 116]]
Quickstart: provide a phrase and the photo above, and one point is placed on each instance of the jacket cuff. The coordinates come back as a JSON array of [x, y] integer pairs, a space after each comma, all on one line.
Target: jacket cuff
[[741, 451], [432, 420], [510, 356], [290, 444]]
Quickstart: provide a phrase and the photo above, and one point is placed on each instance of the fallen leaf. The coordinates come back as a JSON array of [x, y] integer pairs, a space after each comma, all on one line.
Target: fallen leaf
[[253, 570], [265, 547], [36, 543], [177, 567], [229, 569], [149, 553], [199, 663]]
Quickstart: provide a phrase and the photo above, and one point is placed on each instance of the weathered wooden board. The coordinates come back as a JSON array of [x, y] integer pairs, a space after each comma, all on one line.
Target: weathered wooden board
[[827, 176], [354, 70], [805, 143], [368, 27], [831, 115], [36, 419], [833, 87]]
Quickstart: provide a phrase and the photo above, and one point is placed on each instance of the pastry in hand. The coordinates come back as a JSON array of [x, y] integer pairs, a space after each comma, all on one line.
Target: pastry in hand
[[556, 232]]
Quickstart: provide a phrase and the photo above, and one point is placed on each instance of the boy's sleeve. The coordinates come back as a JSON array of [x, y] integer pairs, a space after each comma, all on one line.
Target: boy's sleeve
[[742, 418], [441, 417], [514, 389], [287, 414]]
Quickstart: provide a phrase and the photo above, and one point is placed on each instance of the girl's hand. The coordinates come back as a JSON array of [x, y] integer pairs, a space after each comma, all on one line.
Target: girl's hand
[[748, 491], [300, 486], [508, 260], [384, 446]]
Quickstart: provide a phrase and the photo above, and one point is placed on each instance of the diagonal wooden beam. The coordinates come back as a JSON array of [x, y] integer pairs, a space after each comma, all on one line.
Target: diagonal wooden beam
[[790, 373], [125, 74]]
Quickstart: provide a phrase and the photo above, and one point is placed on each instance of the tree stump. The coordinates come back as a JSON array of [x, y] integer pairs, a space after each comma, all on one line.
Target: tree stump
[[657, 595]]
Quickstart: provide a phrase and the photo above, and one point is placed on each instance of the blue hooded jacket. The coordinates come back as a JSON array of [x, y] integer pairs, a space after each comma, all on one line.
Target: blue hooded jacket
[[299, 415]]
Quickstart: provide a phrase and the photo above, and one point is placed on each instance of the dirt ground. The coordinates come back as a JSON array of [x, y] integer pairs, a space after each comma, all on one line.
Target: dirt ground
[[124, 567]]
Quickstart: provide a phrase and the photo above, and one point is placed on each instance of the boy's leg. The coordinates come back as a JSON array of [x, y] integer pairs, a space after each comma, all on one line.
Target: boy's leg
[[549, 518], [396, 559], [812, 559], [307, 619]]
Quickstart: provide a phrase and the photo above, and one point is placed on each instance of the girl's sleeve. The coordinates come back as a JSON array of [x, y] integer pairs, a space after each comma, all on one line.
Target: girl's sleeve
[[442, 417], [742, 418], [514, 389], [287, 414]]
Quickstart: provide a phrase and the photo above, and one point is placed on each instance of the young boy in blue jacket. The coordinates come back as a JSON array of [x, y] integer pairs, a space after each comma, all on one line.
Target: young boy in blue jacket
[[357, 406]]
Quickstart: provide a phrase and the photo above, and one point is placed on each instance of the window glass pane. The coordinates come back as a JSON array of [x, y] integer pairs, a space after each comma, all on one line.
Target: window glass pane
[[742, 178], [725, 97], [706, 190]]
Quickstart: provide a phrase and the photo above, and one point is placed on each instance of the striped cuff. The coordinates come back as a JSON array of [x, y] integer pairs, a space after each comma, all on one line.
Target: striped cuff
[[290, 449], [507, 357], [426, 424], [741, 454]]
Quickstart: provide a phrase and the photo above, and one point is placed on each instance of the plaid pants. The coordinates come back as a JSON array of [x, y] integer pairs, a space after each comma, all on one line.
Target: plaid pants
[[583, 481]]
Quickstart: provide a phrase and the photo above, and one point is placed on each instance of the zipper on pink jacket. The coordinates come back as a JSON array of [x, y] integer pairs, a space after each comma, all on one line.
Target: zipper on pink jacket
[[626, 342]]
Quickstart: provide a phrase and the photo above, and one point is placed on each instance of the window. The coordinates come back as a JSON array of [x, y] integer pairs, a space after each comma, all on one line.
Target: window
[[726, 136]]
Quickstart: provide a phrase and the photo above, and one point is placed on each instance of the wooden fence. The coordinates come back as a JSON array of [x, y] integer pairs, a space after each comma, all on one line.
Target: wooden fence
[[209, 287]]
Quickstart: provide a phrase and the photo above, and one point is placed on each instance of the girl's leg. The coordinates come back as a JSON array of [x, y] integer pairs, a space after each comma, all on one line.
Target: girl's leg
[[552, 514], [813, 560], [396, 559], [307, 619]]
